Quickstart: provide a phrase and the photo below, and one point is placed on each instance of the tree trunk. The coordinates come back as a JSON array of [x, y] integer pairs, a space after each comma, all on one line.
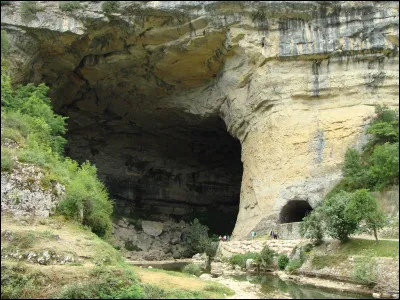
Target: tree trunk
[[376, 235]]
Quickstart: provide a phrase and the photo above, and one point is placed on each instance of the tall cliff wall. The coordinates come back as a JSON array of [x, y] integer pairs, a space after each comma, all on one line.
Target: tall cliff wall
[[144, 87]]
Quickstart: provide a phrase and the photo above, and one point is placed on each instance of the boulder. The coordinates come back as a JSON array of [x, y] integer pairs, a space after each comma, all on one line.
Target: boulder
[[152, 228], [201, 259]]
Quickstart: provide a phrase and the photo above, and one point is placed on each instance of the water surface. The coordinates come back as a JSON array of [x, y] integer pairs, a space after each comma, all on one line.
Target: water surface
[[271, 284]]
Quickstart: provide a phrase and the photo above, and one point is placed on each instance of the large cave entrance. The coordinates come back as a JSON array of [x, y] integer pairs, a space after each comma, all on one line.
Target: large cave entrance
[[167, 165], [294, 211]]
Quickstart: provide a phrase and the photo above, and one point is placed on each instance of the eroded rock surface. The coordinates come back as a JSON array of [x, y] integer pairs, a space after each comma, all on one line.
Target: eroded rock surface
[[153, 89]]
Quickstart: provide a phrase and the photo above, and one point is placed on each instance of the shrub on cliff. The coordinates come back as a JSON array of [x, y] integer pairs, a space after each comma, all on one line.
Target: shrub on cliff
[[28, 10], [87, 200], [28, 120], [110, 6], [69, 6]]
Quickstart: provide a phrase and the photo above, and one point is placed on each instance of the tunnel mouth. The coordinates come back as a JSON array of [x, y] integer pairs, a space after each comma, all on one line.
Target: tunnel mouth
[[294, 211], [175, 166]]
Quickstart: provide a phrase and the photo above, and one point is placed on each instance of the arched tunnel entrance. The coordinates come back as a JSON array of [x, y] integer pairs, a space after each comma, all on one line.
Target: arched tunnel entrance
[[294, 211]]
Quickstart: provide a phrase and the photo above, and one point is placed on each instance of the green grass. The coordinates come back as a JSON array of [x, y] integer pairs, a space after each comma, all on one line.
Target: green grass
[[6, 161], [12, 134], [209, 291], [370, 247], [69, 6], [173, 273], [29, 10], [356, 247], [322, 261]]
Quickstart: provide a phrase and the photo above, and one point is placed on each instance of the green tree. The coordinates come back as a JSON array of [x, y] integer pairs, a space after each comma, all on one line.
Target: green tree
[[197, 239], [266, 257], [338, 224], [364, 208], [384, 165], [312, 226], [352, 163]]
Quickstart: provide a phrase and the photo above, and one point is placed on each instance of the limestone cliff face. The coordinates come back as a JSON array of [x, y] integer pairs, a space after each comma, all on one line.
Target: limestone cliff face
[[294, 82]]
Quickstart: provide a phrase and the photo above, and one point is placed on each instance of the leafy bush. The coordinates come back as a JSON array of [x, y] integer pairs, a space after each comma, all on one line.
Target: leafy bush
[[384, 165], [364, 208], [339, 225], [266, 257], [365, 270], [29, 10], [193, 269], [312, 226], [197, 239], [307, 248], [240, 259], [385, 128], [283, 260], [87, 200], [6, 160], [110, 6], [293, 265], [69, 5]]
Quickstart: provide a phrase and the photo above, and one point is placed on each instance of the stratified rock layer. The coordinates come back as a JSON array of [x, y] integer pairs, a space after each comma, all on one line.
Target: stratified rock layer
[[146, 88]]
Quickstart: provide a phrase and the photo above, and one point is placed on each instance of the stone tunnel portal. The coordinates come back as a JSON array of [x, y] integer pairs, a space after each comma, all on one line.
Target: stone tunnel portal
[[294, 211]]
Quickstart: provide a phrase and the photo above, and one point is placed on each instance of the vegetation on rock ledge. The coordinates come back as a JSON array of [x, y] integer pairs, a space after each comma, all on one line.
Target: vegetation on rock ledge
[[350, 206], [29, 122]]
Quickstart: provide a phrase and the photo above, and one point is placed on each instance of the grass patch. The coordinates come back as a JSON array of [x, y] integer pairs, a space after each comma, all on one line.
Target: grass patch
[[29, 10], [23, 239], [6, 160], [69, 6], [370, 247], [322, 261], [12, 134], [219, 288]]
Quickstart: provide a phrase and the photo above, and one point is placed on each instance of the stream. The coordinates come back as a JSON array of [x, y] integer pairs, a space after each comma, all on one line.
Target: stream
[[272, 284]]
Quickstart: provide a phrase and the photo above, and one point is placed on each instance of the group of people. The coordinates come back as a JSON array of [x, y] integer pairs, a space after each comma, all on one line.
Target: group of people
[[273, 235], [225, 238]]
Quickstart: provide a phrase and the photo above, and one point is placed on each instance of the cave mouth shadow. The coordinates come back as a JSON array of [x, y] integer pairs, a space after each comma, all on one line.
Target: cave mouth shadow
[[188, 167], [294, 211]]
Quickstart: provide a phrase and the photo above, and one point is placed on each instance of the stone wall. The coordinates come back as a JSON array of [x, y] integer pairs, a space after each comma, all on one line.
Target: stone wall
[[289, 231]]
